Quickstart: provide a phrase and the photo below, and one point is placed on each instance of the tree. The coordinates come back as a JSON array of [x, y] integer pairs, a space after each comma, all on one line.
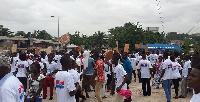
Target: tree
[[5, 31], [99, 40], [20, 33], [132, 34]]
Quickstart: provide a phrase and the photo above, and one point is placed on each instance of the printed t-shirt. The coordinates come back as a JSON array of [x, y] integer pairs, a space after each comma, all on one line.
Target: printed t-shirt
[[64, 85], [144, 66]]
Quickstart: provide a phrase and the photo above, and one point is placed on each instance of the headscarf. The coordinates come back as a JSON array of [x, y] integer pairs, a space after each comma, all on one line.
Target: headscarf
[[86, 55]]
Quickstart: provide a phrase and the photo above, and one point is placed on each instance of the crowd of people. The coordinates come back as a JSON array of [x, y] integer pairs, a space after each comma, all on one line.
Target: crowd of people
[[25, 76]]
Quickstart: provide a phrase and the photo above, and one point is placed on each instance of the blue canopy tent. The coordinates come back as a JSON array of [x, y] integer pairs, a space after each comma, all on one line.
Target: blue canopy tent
[[162, 46]]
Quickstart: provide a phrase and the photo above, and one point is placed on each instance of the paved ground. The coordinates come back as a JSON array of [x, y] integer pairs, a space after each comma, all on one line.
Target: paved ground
[[158, 95]]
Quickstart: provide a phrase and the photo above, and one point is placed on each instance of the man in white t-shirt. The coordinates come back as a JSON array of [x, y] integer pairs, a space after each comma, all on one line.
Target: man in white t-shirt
[[194, 82], [50, 75], [65, 87], [133, 61], [144, 71], [153, 57], [120, 77], [22, 70], [166, 76], [14, 61], [186, 69], [11, 89]]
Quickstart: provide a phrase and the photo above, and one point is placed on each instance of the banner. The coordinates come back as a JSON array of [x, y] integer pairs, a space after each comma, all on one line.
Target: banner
[[14, 48], [64, 39], [126, 48]]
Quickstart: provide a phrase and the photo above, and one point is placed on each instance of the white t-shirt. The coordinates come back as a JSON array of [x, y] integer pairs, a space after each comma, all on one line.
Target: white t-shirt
[[133, 62], [176, 67], [64, 84], [13, 65], [153, 58], [186, 66], [195, 98], [29, 63], [167, 65], [51, 67], [144, 66], [75, 74], [21, 66], [57, 58], [12, 90], [119, 74], [139, 58]]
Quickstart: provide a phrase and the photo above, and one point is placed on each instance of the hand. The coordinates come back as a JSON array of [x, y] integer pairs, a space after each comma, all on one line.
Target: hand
[[118, 88]]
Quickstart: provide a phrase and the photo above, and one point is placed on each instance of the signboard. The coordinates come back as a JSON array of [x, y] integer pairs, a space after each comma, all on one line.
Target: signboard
[[14, 48], [126, 48], [37, 51], [64, 39], [48, 50], [108, 55], [146, 48], [137, 46]]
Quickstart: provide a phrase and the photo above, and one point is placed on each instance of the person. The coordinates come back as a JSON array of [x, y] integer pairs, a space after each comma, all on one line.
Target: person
[[186, 69], [194, 82], [76, 78], [127, 67], [65, 87], [120, 76], [50, 75], [176, 68], [22, 70], [144, 69], [99, 73], [12, 90], [158, 72], [36, 83], [166, 76], [153, 57], [133, 64], [14, 60], [88, 64]]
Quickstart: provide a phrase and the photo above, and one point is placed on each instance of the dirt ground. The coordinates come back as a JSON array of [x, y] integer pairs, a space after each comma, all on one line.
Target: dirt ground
[[157, 95]]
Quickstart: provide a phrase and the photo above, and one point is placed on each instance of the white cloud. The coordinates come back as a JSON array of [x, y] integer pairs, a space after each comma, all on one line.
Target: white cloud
[[89, 16]]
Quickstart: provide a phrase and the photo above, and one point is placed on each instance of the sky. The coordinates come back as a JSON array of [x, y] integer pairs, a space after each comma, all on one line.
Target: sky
[[90, 16]]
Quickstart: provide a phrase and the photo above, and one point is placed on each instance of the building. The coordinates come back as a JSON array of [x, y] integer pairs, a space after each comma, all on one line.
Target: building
[[153, 29]]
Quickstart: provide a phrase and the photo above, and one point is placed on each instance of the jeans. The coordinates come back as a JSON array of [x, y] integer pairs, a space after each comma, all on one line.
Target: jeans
[[176, 85], [167, 88], [36, 99]]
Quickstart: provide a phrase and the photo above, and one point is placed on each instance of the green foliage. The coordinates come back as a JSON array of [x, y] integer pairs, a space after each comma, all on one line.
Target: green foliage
[[174, 36], [132, 34], [5, 31]]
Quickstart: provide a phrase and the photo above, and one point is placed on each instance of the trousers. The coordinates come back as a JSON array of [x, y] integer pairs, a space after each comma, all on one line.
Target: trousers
[[48, 80]]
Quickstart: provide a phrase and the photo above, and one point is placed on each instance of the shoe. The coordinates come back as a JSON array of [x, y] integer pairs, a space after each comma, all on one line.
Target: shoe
[[87, 96], [176, 97], [51, 98], [104, 97], [181, 96]]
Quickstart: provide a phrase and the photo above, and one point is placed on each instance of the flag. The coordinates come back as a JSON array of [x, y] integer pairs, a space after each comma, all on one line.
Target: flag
[[64, 39]]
